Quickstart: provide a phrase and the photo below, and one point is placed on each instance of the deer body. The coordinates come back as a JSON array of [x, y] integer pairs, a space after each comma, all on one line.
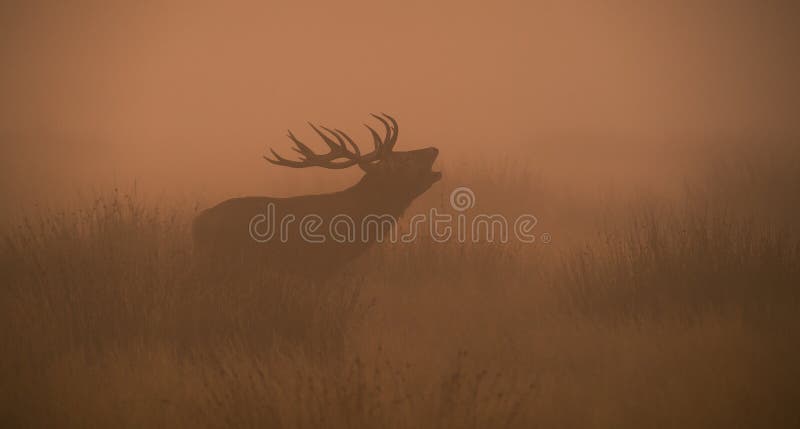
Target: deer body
[[225, 232]]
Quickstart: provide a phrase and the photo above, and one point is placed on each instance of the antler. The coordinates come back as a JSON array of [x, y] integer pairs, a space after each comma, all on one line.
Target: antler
[[339, 148]]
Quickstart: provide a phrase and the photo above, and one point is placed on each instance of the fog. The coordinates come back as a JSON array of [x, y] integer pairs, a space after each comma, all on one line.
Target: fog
[[185, 99], [652, 144]]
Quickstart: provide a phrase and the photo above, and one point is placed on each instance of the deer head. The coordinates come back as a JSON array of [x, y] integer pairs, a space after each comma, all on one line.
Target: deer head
[[408, 172]]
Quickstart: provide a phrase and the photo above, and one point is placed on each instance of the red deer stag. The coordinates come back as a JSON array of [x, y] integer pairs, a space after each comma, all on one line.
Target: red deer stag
[[316, 235]]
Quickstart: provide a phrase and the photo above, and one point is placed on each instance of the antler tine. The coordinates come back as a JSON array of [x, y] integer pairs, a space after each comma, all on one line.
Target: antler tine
[[340, 141], [331, 144], [339, 148], [301, 148], [393, 141], [376, 138], [386, 125], [279, 160], [311, 159], [349, 140], [391, 133]]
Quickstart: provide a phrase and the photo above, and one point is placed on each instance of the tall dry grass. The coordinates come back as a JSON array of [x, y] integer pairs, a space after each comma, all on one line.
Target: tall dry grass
[[650, 311]]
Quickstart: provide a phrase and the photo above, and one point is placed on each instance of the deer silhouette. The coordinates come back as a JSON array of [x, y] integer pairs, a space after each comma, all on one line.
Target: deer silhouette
[[392, 180]]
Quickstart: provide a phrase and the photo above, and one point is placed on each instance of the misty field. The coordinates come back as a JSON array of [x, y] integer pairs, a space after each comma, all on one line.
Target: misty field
[[671, 310]]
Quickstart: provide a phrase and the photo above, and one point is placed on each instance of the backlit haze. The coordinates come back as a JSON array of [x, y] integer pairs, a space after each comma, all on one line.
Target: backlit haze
[[185, 99]]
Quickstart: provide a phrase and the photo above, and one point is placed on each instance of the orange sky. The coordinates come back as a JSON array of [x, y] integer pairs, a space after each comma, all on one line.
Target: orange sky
[[189, 97]]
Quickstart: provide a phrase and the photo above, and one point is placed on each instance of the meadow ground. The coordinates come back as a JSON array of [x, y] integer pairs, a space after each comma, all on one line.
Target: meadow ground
[[644, 311]]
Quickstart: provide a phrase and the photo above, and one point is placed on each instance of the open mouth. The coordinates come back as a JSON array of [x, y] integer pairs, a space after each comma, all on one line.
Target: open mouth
[[435, 175]]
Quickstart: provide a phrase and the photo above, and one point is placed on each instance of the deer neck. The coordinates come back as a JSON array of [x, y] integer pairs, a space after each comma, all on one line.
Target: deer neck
[[376, 196]]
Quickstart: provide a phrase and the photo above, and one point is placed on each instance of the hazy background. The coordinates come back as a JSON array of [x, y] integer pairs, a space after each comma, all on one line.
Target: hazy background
[[655, 141], [184, 99]]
